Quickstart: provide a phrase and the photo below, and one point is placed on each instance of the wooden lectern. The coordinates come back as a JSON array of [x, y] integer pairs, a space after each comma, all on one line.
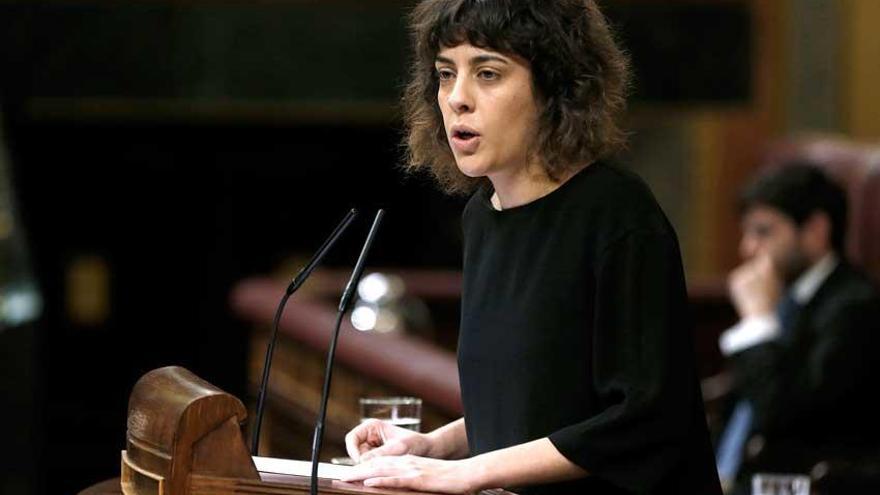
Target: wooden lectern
[[184, 438]]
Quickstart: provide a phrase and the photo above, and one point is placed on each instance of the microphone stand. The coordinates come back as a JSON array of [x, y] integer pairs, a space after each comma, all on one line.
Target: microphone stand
[[317, 439], [295, 284]]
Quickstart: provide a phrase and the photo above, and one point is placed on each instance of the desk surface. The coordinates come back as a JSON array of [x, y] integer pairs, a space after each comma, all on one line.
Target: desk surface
[[112, 486]]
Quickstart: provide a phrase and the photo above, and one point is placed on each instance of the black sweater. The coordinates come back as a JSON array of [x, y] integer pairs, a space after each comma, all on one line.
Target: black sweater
[[574, 326]]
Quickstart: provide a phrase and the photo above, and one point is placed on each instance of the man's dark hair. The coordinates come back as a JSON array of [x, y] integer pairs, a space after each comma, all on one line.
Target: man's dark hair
[[798, 190], [579, 75]]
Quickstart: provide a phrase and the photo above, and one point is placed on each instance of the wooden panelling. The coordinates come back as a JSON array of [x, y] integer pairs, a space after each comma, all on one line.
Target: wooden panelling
[[861, 68]]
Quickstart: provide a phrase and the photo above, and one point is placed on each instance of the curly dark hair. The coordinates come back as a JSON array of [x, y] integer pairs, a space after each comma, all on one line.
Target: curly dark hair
[[579, 75]]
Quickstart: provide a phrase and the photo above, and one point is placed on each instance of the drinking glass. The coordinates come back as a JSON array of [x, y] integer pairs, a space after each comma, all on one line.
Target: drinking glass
[[780, 484], [405, 412]]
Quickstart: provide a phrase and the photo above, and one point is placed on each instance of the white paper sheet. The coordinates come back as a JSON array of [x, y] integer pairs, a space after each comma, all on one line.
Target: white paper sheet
[[300, 468]]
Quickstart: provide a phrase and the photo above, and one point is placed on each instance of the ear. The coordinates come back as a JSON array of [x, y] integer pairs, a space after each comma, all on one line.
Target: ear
[[815, 235]]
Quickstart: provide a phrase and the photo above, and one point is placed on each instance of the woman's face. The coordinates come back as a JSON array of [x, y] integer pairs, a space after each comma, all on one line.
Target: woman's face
[[489, 109]]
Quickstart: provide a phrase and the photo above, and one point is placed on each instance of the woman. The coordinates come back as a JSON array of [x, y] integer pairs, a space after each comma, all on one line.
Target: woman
[[575, 358]]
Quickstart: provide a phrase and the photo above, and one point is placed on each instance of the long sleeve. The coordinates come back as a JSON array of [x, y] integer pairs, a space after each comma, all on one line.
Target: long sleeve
[[642, 366], [795, 383]]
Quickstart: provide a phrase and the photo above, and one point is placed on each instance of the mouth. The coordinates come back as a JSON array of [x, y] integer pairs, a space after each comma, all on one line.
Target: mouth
[[464, 134], [465, 139]]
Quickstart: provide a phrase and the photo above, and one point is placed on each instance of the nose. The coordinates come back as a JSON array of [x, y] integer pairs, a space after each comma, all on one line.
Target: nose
[[460, 98]]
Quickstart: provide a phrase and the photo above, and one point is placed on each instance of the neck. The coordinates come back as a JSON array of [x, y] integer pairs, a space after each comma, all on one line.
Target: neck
[[524, 185]]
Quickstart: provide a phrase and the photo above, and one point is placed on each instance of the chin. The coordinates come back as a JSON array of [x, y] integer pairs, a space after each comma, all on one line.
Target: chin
[[471, 166]]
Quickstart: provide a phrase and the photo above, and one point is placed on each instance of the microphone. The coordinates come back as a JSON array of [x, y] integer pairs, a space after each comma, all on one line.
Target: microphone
[[328, 372], [295, 284]]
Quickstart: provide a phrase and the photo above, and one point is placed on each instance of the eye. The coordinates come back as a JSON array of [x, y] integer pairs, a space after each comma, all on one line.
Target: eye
[[445, 74], [488, 75], [763, 231]]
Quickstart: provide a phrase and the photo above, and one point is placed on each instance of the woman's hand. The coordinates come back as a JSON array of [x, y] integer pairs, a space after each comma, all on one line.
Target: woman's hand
[[418, 473], [529, 463], [375, 438]]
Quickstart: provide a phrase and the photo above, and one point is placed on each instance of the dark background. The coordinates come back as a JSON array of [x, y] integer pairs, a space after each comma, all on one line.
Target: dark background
[[188, 146]]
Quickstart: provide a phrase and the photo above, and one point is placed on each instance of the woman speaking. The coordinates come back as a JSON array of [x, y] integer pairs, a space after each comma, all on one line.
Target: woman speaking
[[575, 354]]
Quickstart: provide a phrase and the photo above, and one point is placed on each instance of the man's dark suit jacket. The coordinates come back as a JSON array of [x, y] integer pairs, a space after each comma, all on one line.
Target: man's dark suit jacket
[[813, 390]]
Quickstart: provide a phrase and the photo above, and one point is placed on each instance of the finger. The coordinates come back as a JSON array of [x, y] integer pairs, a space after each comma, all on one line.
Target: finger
[[357, 445], [392, 448], [363, 448], [355, 474], [359, 472], [765, 263], [389, 482], [352, 445], [373, 440], [362, 438], [373, 470]]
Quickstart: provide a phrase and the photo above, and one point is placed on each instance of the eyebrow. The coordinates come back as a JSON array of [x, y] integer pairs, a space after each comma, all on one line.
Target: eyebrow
[[479, 59]]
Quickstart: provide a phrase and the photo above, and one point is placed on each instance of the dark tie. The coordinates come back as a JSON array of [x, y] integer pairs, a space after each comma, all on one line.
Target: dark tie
[[787, 311], [731, 445]]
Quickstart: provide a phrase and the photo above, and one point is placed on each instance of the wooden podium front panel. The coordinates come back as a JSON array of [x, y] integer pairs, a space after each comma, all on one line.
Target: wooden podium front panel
[[137, 480]]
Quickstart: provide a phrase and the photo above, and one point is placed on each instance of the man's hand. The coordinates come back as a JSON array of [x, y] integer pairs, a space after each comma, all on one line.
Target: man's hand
[[418, 473], [755, 287]]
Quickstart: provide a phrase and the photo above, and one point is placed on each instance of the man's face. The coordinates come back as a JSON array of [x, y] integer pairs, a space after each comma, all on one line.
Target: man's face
[[768, 232]]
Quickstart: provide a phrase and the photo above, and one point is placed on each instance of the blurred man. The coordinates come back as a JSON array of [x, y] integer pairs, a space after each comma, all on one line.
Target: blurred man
[[803, 354]]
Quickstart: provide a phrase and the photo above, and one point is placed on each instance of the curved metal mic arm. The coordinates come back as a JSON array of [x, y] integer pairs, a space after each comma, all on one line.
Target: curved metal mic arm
[[344, 301], [270, 349]]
